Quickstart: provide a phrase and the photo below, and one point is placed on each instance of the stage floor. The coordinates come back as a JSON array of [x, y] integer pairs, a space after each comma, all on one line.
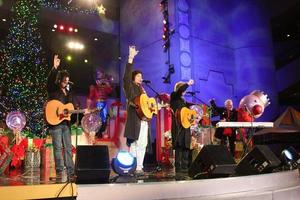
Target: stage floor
[[154, 184]]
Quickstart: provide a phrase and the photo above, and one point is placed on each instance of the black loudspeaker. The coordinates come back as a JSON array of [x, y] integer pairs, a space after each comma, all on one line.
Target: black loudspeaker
[[92, 164], [259, 160], [212, 161]]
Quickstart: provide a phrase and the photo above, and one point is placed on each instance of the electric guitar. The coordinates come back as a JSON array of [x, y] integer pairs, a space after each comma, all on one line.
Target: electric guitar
[[145, 107], [186, 117], [56, 112]]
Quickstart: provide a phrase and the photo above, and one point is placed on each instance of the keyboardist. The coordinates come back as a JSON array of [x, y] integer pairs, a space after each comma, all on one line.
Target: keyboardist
[[228, 114]]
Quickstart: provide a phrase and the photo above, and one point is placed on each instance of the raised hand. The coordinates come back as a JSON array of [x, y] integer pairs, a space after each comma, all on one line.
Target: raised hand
[[190, 82], [56, 61], [132, 52]]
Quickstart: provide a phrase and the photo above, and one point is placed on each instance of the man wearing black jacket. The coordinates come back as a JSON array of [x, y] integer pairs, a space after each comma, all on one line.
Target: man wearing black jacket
[[181, 137], [137, 131], [58, 89]]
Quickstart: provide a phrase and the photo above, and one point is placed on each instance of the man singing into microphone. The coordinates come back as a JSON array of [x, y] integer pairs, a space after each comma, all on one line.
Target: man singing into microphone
[[137, 131], [57, 88]]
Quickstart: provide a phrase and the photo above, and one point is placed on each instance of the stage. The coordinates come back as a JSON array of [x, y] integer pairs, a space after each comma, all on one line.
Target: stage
[[163, 184], [274, 186]]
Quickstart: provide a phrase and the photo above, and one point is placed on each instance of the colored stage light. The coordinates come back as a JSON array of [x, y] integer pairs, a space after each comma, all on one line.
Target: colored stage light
[[75, 45], [71, 29], [61, 27], [69, 58], [124, 163], [290, 158]]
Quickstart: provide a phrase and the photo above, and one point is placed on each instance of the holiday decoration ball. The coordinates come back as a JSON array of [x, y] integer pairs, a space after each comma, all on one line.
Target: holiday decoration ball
[[16, 120], [91, 123]]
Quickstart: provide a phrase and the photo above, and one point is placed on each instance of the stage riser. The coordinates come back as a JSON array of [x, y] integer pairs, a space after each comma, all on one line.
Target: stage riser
[[274, 186]]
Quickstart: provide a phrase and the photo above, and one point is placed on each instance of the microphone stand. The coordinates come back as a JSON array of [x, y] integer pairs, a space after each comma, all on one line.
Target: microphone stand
[[159, 165], [250, 132], [151, 88], [210, 125]]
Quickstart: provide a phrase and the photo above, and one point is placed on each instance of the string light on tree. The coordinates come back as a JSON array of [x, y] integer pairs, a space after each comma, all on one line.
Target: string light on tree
[[23, 67]]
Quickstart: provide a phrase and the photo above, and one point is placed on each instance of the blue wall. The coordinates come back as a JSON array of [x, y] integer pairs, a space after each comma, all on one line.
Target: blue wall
[[224, 45]]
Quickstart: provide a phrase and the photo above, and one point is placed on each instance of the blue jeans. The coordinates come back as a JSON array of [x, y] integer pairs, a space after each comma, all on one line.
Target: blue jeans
[[61, 138]]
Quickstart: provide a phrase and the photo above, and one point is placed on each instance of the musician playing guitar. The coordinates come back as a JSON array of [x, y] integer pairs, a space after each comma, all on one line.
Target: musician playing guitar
[[181, 137], [137, 130], [57, 88]]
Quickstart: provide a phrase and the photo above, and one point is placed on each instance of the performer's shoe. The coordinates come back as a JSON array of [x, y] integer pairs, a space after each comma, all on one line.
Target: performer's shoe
[[72, 178], [139, 172]]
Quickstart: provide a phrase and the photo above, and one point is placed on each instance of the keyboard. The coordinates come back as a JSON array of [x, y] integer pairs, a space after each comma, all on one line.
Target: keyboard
[[245, 124]]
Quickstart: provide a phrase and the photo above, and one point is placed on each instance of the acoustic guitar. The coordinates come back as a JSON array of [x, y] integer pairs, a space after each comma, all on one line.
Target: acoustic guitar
[[145, 107], [186, 117], [56, 112]]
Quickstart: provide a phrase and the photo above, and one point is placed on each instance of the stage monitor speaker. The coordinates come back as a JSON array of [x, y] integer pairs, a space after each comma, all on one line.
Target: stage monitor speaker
[[212, 161], [259, 160], [92, 164]]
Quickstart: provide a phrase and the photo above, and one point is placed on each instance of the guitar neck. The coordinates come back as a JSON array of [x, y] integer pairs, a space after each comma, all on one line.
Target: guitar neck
[[76, 111]]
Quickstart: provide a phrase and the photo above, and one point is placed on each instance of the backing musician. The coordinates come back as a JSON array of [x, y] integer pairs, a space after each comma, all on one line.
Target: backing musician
[[228, 114]]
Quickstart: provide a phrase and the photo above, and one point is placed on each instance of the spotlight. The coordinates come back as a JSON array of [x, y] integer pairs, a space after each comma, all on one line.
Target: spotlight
[[124, 165], [75, 45], [75, 30], [290, 158], [70, 29], [4, 20], [61, 27], [53, 30], [69, 58], [85, 60], [95, 39], [55, 26]]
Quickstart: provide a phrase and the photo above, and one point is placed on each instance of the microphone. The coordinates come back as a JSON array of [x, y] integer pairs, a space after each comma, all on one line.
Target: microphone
[[193, 93], [146, 81]]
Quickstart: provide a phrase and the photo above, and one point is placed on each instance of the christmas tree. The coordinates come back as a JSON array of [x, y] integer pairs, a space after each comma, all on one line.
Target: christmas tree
[[23, 69]]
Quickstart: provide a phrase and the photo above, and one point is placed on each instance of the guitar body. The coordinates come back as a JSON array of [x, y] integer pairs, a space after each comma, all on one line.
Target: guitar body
[[56, 112], [146, 107], [186, 117]]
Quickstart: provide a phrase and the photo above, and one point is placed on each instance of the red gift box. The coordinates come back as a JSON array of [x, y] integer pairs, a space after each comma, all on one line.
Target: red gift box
[[48, 164]]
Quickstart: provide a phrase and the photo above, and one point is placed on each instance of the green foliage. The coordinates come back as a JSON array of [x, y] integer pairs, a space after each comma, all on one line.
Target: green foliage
[[23, 67]]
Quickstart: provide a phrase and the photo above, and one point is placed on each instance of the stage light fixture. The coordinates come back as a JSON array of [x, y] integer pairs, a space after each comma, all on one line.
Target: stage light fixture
[[75, 45], [290, 158], [69, 58], [95, 39], [4, 20], [55, 26], [75, 30], [124, 163], [61, 27], [53, 30], [71, 29], [85, 60]]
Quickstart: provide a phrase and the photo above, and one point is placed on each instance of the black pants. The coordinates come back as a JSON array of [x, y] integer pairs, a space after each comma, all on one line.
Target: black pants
[[181, 159], [231, 140]]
